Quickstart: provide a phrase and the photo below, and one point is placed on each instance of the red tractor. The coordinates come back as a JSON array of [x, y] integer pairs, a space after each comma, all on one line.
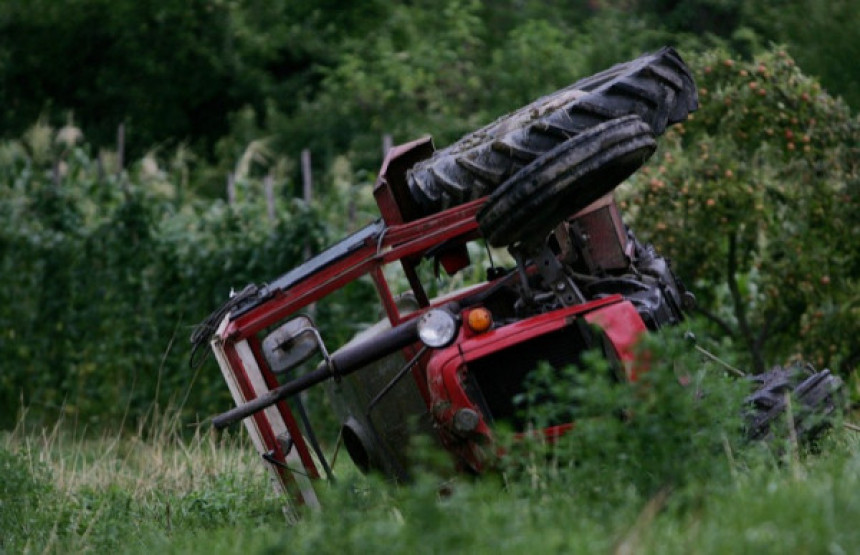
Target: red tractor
[[538, 183]]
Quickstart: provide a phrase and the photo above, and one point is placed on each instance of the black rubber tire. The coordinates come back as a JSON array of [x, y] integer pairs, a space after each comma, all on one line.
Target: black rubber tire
[[815, 399], [658, 87], [565, 180]]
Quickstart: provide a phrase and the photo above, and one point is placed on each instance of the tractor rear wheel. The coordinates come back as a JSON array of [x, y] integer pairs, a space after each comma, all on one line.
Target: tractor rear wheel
[[565, 180], [657, 87]]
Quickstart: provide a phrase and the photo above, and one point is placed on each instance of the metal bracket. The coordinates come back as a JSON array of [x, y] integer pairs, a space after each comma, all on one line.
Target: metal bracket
[[553, 274]]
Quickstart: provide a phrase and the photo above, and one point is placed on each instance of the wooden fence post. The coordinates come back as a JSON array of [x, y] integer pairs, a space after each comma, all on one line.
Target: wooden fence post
[[307, 195], [307, 176], [307, 188], [120, 148], [269, 190], [231, 189], [387, 143]]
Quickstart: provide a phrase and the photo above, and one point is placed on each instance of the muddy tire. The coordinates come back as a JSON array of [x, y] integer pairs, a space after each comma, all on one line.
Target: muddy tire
[[565, 180], [657, 87], [814, 398]]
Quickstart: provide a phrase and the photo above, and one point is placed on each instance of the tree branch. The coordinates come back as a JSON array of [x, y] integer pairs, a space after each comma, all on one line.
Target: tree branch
[[740, 306], [722, 324]]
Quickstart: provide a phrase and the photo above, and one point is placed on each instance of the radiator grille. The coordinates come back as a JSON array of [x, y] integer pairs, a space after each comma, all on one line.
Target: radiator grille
[[493, 381]]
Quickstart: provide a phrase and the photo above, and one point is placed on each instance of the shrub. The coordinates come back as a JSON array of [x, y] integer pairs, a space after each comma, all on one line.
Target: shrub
[[678, 424], [755, 199]]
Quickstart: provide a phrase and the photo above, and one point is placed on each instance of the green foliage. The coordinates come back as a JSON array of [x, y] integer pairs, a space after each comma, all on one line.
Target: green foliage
[[719, 17], [819, 36], [24, 494], [670, 428], [765, 507], [653, 466], [788, 511], [432, 516], [755, 200], [60, 495], [107, 274], [105, 60], [106, 271], [333, 77], [171, 70], [417, 73], [445, 70]]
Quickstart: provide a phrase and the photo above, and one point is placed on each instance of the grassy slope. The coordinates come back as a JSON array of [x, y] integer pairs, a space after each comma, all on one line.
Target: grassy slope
[[208, 494]]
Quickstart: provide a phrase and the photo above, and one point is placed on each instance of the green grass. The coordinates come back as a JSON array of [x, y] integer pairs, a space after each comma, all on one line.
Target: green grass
[[63, 491], [210, 496], [674, 475]]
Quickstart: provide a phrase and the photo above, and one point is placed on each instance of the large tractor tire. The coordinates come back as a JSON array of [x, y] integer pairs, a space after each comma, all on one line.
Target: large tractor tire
[[657, 87], [814, 399], [565, 180]]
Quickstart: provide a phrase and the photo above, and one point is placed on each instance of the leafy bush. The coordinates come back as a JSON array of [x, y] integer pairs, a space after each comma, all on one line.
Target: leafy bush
[[24, 494], [108, 273], [678, 424], [755, 199]]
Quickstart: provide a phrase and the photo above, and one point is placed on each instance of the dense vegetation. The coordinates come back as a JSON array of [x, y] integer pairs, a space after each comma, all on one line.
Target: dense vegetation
[[332, 77], [675, 478], [112, 252], [122, 122], [756, 200]]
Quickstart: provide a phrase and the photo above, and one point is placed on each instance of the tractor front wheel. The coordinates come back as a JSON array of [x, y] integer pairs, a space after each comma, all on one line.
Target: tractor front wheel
[[812, 398]]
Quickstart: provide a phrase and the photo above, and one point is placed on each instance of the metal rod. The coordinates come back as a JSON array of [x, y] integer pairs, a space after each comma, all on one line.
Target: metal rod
[[341, 363], [390, 385], [312, 437], [715, 358]]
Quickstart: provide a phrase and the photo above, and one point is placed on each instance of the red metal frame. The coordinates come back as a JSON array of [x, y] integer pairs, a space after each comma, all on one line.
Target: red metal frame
[[406, 238], [397, 242], [405, 242], [446, 367]]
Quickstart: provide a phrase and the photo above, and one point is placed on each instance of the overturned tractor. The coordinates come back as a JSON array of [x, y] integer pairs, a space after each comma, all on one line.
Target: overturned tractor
[[538, 183]]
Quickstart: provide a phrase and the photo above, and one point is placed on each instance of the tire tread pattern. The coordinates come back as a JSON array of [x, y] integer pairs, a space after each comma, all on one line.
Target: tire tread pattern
[[564, 180], [658, 87], [814, 396]]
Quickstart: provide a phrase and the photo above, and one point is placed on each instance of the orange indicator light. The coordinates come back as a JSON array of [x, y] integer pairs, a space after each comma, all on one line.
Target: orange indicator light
[[480, 320]]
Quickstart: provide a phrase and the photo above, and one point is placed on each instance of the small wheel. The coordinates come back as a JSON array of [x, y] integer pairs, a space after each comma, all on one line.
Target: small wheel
[[526, 207], [814, 398]]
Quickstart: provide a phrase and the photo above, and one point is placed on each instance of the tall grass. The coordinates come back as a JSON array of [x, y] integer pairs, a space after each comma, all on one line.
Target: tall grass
[[655, 467], [113, 491]]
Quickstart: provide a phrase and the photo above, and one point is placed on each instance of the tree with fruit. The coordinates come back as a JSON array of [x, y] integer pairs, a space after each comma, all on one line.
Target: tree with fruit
[[755, 198]]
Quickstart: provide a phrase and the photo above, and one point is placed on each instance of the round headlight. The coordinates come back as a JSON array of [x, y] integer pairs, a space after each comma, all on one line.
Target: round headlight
[[437, 328]]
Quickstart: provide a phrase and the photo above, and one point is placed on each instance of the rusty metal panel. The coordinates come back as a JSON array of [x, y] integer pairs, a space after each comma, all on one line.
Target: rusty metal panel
[[392, 196]]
